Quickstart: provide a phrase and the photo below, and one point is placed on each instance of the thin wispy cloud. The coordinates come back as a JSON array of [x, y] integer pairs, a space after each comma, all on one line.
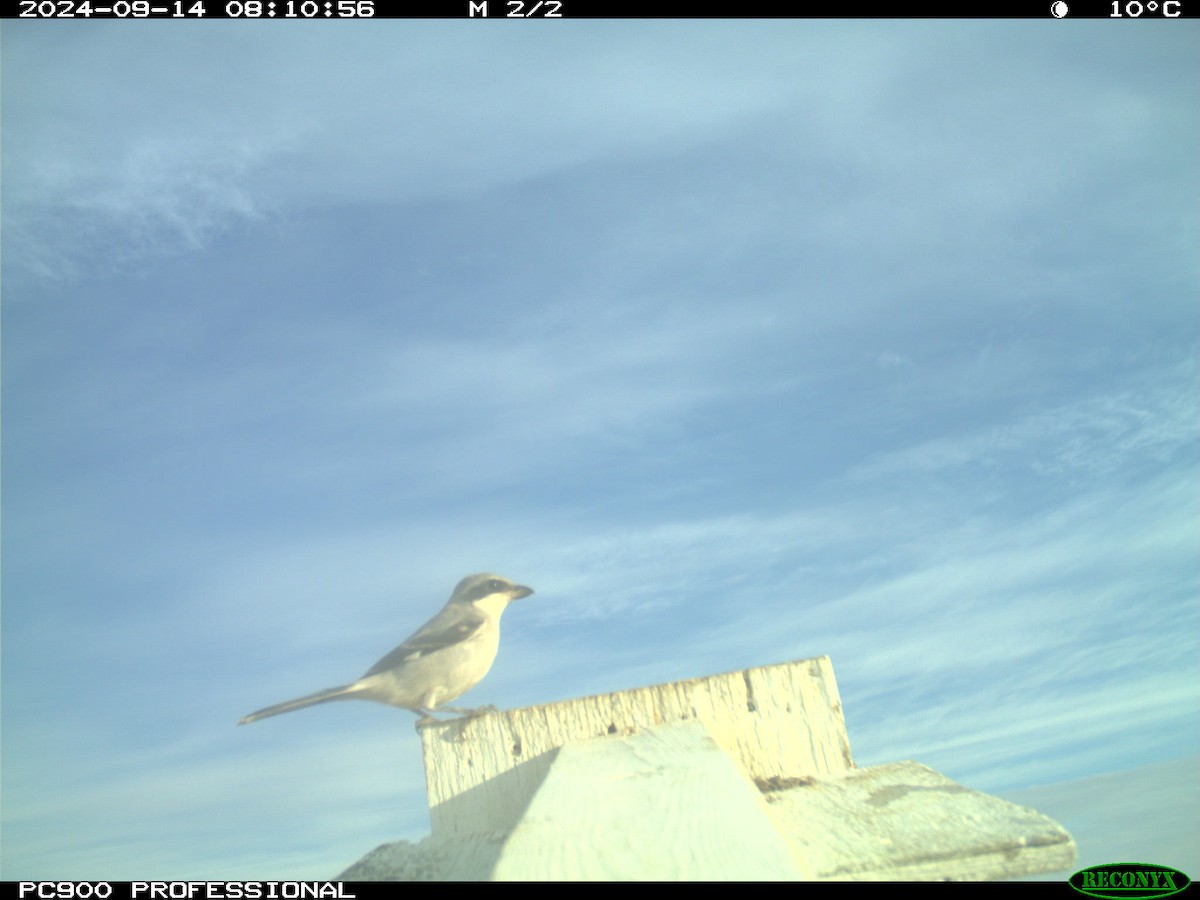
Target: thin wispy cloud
[[1091, 436]]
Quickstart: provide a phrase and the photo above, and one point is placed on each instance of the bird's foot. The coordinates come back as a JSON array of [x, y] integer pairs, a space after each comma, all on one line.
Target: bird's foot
[[469, 713], [426, 718]]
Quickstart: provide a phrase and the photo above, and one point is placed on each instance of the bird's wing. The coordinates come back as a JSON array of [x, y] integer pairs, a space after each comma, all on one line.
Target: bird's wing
[[447, 628]]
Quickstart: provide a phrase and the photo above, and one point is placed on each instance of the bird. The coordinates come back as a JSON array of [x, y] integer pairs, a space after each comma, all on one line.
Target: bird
[[444, 658]]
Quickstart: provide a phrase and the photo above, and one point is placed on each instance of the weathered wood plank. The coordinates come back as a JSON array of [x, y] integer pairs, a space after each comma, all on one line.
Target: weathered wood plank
[[779, 721]]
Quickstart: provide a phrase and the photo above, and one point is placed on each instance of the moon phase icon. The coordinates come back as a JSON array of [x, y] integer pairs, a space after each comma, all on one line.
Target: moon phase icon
[[1059, 9]]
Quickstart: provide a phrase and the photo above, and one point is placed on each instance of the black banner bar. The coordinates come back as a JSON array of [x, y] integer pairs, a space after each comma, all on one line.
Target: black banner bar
[[554, 10], [379, 890]]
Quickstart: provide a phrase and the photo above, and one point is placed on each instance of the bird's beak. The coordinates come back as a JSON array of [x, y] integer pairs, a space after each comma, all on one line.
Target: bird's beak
[[519, 591]]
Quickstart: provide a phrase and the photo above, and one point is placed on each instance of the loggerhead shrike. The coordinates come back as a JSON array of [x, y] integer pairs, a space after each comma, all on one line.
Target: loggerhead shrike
[[445, 658]]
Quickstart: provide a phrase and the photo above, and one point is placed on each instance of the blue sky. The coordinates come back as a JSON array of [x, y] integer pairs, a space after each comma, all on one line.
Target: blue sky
[[740, 342]]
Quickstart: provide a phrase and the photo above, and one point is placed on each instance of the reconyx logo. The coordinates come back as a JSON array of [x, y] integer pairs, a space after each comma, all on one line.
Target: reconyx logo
[[1129, 880]]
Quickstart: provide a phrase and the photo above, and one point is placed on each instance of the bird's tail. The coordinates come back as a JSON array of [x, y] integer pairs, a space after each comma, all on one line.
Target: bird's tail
[[345, 692]]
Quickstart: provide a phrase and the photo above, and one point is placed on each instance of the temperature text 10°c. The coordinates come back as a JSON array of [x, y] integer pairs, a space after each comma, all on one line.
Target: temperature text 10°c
[[1134, 9]]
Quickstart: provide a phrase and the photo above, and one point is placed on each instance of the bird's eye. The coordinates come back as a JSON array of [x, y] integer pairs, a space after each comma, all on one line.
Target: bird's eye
[[495, 585]]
